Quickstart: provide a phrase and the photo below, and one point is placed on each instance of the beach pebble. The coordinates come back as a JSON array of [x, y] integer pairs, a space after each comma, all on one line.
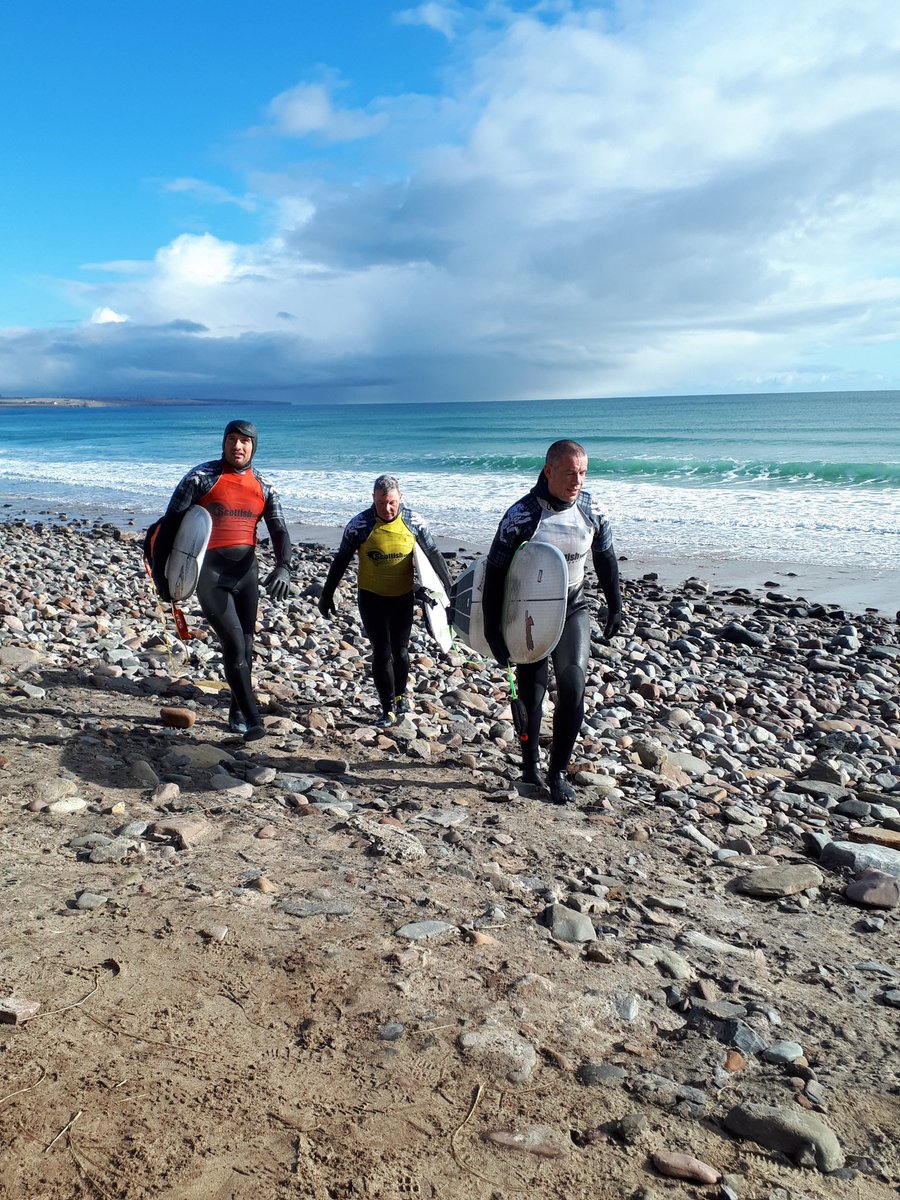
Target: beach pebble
[[15, 1010], [540, 1140], [319, 908], [771, 882], [178, 718], [874, 889], [166, 793], [144, 774], [783, 1053], [67, 807], [500, 1052], [805, 1139], [567, 925], [600, 1074], [676, 1165], [860, 857], [237, 789], [186, 830], [215, 933], [419, 931]]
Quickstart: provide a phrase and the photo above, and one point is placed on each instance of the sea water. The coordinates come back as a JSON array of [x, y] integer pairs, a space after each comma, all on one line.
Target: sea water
[[804, 478]]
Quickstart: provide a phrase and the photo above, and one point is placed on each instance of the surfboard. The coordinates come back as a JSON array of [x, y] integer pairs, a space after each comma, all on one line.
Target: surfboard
[[466, 616], [435, 599], [534, 609], [188, 549], [537, 586]]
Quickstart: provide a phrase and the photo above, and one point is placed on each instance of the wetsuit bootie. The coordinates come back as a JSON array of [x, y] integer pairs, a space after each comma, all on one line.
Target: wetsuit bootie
[[533, 775], [237, 723], [561, 791], [254, 733]]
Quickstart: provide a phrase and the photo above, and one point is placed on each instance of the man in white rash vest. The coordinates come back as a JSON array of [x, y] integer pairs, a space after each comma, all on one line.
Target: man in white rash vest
[[556, 510]]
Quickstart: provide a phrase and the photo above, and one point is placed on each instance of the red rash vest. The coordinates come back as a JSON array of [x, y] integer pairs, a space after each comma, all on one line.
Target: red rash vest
[[235, 502]]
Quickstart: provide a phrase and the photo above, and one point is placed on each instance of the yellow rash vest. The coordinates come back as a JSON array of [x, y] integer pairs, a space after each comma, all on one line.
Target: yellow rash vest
[[385, 558], [385, 551]]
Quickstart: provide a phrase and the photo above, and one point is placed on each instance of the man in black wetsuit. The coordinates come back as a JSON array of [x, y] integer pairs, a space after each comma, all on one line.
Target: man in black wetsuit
[[384, 536], [236, 498], [556, 510]]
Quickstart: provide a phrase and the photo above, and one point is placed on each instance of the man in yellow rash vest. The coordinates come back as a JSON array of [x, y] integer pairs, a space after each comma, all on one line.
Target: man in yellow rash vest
[[383, 536]]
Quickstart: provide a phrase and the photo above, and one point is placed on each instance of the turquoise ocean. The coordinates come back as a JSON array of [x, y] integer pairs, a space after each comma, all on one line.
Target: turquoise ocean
[[805, 478]]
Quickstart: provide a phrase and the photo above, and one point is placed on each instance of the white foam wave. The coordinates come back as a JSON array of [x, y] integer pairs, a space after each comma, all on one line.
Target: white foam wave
[[826, 526]]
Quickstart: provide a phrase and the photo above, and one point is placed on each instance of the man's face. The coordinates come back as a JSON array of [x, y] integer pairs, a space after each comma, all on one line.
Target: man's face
[[565, 476], [387, 504], [238, 450]]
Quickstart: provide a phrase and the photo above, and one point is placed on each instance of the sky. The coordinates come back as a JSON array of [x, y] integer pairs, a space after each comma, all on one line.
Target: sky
[[369, 201]]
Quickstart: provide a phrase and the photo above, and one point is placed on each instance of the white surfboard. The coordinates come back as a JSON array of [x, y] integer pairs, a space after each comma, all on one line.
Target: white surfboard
[[436, 599], [534, 609], [188, 549], [466, 616], [537, 586]]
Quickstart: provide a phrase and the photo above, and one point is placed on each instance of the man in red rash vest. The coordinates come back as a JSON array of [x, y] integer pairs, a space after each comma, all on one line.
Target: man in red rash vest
[[237, 498]]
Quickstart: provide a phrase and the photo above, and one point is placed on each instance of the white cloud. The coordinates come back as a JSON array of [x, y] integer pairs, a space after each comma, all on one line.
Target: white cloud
[[307, 110], [443, 18], [210, 193], [203, 261], [653, 198], [107, 316]]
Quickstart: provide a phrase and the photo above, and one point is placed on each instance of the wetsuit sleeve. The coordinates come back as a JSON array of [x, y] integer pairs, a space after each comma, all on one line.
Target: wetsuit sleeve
[[605, 562], [597, 517], [339, 565], [354, 534], [607, 567], [273, 516], [491, 609], [425, 539]]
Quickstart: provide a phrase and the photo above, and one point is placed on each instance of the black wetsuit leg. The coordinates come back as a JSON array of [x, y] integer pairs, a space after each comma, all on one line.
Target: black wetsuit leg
[[531, 682], [388, 621], [228, 592], [570, 659]]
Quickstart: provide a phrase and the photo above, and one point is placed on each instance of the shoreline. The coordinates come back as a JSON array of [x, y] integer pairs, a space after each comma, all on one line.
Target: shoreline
[[815, 583]]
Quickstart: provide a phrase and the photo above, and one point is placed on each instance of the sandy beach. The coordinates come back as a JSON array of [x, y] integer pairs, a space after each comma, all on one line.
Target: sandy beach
[[362, 963]]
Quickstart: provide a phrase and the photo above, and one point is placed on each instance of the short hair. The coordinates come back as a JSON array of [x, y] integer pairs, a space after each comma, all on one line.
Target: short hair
[[386, 483], [562, 448]]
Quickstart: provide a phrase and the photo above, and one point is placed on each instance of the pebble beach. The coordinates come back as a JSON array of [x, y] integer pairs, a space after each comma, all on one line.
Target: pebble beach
[[344, 962]]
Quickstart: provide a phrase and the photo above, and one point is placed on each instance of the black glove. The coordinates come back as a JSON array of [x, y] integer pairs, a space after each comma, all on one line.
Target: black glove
[[326, 604], [614, 623], [278, 583]]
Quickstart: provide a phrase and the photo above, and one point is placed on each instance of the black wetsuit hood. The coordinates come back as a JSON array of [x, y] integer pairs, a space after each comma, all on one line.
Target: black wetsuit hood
[[245, 429]]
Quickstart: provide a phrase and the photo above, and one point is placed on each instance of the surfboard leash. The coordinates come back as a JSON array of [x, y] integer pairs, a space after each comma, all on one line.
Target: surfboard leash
[[517, 708], [177, 615]]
